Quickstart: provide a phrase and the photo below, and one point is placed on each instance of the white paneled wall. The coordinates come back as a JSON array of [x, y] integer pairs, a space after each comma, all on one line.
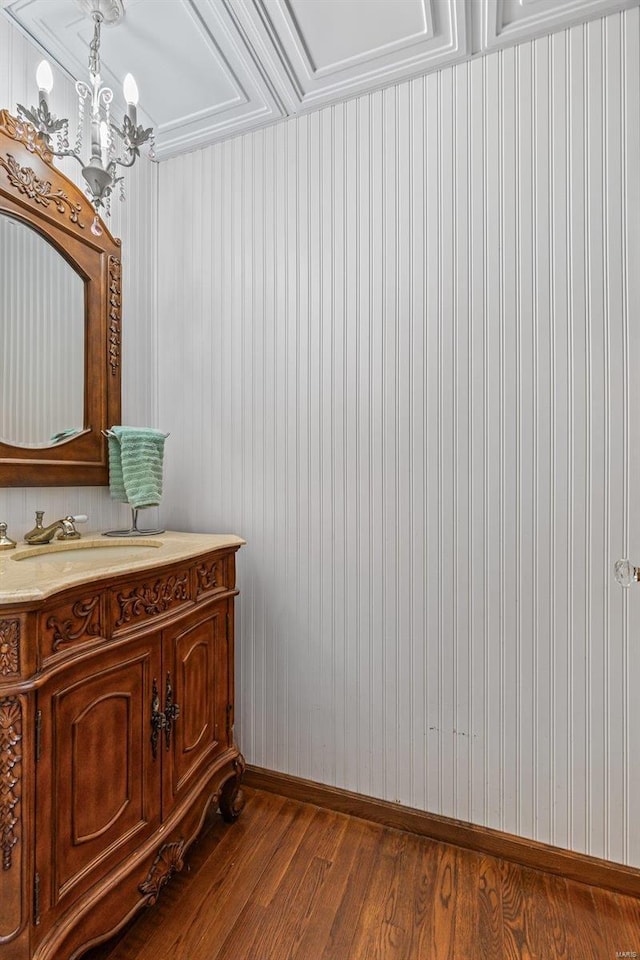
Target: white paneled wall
[[135, 223], [400, 354]]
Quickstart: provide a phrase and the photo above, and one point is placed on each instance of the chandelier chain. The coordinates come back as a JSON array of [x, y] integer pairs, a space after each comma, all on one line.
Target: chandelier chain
[[94, 46]]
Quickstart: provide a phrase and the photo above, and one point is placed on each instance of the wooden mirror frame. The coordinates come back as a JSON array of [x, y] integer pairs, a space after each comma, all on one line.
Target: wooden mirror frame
[[34, 191]]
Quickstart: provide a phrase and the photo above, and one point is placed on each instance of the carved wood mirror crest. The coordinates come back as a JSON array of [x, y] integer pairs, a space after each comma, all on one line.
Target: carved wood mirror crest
[[35, 196]]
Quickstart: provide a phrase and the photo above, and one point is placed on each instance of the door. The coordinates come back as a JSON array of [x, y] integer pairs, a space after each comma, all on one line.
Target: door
[[196, 662], [97, 782]]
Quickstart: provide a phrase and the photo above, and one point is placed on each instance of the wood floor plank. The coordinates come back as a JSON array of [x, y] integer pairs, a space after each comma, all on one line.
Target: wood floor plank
[[444, 893], [590, 940], [346, 921], [560, 925], [317, 933], [629, 915], [424, 902], [404, 907], [392, 938], [373, 926], [467, 907], [490, 921], [620, 921], [517, 937]]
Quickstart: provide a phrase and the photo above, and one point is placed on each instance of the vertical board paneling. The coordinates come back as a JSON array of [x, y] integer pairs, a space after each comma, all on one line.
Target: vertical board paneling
[[630, 191], [135, 222], [613, 531], [555, 570], [477, 571], [406, 373]]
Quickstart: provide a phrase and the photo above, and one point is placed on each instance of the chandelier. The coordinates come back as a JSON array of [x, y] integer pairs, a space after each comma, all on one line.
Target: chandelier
[[112, 146]]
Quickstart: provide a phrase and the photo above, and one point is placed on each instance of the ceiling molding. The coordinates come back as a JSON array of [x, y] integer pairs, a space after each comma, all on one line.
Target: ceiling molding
[[505, 22], [212, 69], [276, 28], [255, 106]]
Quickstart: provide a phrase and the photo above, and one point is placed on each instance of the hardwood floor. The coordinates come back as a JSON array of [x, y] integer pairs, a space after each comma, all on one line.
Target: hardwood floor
[[290, 881]]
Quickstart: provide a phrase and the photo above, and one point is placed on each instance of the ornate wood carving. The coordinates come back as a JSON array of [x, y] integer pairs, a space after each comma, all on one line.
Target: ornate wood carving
[[25, 180], [9, 647], [169, 860], [115, 301], [85, 620], [152, 599], [210, 575], [26, 134], [231, 796], [10, 774]]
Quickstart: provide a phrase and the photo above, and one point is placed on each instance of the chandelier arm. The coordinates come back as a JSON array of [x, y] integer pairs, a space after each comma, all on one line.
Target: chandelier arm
[[121, 162], [67, 153]]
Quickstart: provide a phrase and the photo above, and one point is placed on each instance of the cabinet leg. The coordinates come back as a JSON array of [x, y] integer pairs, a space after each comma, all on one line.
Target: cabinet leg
[[231, 796]]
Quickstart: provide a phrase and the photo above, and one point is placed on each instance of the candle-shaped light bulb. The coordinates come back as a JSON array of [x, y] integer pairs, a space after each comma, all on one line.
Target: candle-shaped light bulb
[[44, 77], [130, 90]]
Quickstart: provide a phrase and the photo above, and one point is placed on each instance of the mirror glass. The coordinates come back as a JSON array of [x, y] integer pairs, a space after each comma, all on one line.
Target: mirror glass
[[42, 337]]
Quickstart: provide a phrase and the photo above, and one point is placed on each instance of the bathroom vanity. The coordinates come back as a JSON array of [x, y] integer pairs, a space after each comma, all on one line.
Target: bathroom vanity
[[116, 728]]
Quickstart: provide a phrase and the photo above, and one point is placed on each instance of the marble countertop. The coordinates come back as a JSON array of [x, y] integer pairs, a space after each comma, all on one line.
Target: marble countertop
[[35, 572]]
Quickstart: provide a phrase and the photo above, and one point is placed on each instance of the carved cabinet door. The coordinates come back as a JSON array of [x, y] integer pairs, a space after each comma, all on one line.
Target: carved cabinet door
[[98, 783], [197, 683]]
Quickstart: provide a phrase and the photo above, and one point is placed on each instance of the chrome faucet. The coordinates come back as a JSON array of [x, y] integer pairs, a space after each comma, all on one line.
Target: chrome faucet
[[66, 528]]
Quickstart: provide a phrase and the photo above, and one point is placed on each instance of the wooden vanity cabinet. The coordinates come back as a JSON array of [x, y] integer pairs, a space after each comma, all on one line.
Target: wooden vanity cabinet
[[122, 738]]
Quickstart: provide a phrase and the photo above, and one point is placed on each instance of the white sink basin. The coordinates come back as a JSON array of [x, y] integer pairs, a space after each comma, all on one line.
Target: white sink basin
[[75, 553]]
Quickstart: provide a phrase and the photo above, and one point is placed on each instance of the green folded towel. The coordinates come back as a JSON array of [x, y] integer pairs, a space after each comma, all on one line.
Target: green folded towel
[[135, 465]]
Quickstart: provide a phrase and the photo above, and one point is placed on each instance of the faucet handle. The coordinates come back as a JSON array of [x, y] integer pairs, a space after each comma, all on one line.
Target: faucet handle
[[68, 529], [39, 527], [625, 573], [6, 543]]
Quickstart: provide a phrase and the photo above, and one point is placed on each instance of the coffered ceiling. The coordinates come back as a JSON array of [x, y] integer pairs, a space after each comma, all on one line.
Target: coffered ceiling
[[210, 69]]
